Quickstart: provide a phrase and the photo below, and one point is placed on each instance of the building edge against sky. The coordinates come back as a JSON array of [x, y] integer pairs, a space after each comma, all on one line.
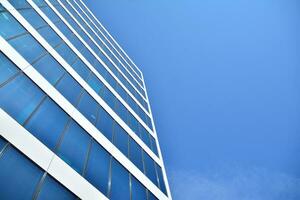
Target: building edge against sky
[[75, 120]]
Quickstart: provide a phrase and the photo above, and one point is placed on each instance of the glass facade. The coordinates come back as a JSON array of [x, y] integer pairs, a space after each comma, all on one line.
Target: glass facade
[[65, 62]]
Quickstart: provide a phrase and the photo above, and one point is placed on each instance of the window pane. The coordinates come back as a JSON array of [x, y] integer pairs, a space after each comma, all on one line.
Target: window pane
[[105, 123], [28, 47], [95, 83], [150, 168], [32, 17], [120, 139], [119, 182], [151, 196], [50, 36], [97, 170], [7, 68], [3, 142], [47, 123], [81, 69], [52, 189], [74, 146], [88, 107], [135, 154], [9, 26], [49, 68], [17, 173], [153, 145], [64, 86], [20, 97], [145, 136], [66, 53], [162, 185], [138, 191]]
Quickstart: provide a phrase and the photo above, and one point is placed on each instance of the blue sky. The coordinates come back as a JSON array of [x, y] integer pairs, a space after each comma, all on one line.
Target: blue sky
[[223, 81]]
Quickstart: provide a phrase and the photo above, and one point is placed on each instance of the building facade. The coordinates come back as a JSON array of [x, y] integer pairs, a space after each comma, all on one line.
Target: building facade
[[75, 119]]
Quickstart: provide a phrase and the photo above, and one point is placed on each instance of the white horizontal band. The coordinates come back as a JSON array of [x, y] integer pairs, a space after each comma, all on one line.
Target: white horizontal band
[[92, 39], [25, 142], [78, 117]]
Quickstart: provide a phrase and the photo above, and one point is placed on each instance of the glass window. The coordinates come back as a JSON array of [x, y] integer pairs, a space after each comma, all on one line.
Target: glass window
[[50, 36], [3, 142], [120, 139], [32, 17], [9, 26], [162, 185], [28, 47], [88, 107], [150, 168], [108, 97], [19, 4], [153, 145], [151, 196], [74, 146], [20, 97], [49, 68], [17, 173], [81, 69], [64, 86], [50, 14], [66, 53], [99, 67], [119, 182], [95, 83], [7, 68], [135, 154], [52, 189], [40, 2], [138, 191], [121, 110], [47, 123], [145, 136], [97, 169], [133, 123], [105, 123]]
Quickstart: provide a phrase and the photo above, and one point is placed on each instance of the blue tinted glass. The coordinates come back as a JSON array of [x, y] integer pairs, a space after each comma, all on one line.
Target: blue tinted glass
[[135, 154], [7, 68], [97, 169], [66, 53], [120, 139], [162, 185], [105, 123], [145, 136], [19, 176], [108, 97], [47, 123], [151, 196], [138, 191], [3, 142], [119, 182], [88, 107], [9, 26], [99, 67], [19, 4], [50, 14], [50, 36], [153, 145], [27, 94], [28, 47], [49, 68], [51, 189], [81, 69], [40, 2], [74, 146], [32, 17], [95, 83], [121, 110], [64, 86], [150, 168]]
